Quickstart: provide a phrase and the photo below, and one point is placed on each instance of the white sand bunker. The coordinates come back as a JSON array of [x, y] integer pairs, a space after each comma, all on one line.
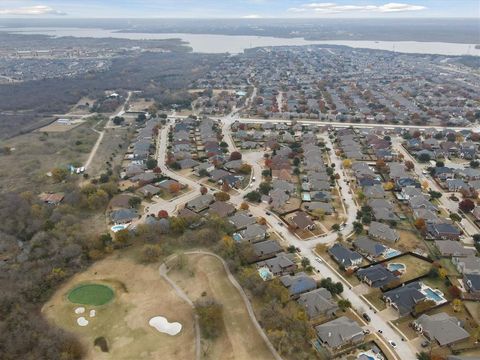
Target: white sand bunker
[[93, 313], [81, 321], [161, 324], [79, 310]]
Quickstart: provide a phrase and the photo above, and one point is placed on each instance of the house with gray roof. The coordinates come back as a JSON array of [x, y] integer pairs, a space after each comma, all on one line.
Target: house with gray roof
[[298, 283], [345, 257], [467, 265], [241, 220], [266, 249], [404, 298], [472, 283], [443, 230], [339, 333], [318, 302], [376, 276], [123, 216], [302, 221], [200, 203], [449, 248], [221, 209], [442, 328], [383, 232], [253, 233], [279, 265], [374, 192], [370, 248]]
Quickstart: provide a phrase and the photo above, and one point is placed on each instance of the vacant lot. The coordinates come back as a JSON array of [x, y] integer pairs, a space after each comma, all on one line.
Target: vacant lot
[[140, 294], [36, 153], [111, 151], [204, 275]]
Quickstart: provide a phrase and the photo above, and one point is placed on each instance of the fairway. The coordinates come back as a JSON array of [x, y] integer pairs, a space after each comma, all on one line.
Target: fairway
[[91, 294]]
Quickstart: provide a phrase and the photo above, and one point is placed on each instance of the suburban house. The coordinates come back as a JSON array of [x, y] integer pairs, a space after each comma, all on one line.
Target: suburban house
[[221, 209], [467, 265], [339, 333], [302, 221], [442, 328], [368, 247], [404, 298], [443, 231], [123, 216], [472, 283], [383, 232], [266, 249], [449, 248], [279, 265], [200, 203], [345, 257], [318, 302], [241, 220], [376, 276], [298, 283], [253, 233], [51, 198]]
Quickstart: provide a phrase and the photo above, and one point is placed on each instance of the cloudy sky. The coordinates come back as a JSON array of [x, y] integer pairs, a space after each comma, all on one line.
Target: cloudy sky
[[239, 8]]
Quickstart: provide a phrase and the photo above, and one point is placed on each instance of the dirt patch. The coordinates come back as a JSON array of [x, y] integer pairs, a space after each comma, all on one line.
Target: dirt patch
[[205, 276], [140, 294]]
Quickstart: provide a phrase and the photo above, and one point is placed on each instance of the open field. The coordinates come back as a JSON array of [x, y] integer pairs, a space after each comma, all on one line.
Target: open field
[[58, 127], [204, 275], [409, 241], [139, 104], [140, 294], [36, 153]]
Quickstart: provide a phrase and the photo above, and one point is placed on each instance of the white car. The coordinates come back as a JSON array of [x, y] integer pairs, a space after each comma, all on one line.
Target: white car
[[318, 259], [392, 344]]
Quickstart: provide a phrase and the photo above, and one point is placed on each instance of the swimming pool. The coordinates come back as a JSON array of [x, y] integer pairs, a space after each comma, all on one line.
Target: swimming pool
[[237, 237], [397, 267], [433, 295], [117, 228], [391, 253], [265, 273]]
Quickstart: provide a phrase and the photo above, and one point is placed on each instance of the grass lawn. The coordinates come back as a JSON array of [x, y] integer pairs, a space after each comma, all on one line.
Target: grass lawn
[[375, 297], [205, 276], [415, 267], [474, 309], [404, 325], [123, 322], [91, 294], [409, 241]]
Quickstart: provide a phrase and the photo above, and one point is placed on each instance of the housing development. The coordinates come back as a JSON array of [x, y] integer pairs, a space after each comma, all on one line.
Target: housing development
[[286, 202]]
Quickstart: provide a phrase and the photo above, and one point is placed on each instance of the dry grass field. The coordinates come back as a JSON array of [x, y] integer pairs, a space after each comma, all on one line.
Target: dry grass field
[[140, 294], [204, 275]]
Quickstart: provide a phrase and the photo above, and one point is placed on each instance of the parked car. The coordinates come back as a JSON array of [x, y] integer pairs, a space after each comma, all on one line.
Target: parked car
[[392, 344], [366, 317]]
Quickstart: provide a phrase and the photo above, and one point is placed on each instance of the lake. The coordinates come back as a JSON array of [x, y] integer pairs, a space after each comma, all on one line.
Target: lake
[[234, 44]]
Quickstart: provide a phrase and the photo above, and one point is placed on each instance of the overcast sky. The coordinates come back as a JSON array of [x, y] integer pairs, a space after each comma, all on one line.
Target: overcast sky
[[239, 8]]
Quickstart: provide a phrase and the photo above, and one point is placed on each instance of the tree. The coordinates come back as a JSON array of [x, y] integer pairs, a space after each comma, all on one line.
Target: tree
[[336, 227], [305, 262], [225, 187], [59, 174], [162, 214], [118, 120], [334, 288], [235, 155], [388, 186], [409, 165], [203, 190], [134, 202], [344, 304], [466, 205], [210, 317], [150, 253], [265, 188], [141, 118], [423, 356], [420, 224], [455, 217], [439, 163], [221, 196], [245, 169], [244, 206], [157, 170], [253, 196], [357, 227], [174, 187], [455, 291], [151, 164], [347, 163], [424, 157], [423, 306]]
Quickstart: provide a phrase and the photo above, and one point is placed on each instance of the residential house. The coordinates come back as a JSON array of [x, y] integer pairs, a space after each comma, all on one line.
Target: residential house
[[221, 209], [370, 248], [266, 249], [279, 265], [298, 283], [253, 233], [472, 283], [376, 276], [444, 230], [302, 221], [449, 248], [318, 302], [339, 333], [467, 265], [383, 232], [241, 220], [345, 257], [442, 328], [200, 203], [123, 216], [405, 298]]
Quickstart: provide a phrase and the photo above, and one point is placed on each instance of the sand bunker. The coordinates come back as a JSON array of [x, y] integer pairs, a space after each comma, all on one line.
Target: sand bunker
[[79, 310], [81, 321], [161, 324]]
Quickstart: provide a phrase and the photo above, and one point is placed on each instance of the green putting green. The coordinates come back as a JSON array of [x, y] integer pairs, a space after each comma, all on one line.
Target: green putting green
[[91, 294]]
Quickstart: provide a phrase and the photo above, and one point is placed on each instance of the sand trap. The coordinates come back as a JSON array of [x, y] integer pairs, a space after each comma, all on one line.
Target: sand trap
[[161, 324], [81, 321], [93, 313], [79, 310]]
